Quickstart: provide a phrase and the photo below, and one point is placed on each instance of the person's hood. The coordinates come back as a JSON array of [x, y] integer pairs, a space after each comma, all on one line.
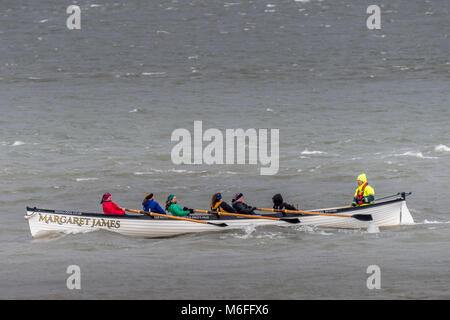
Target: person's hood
[[362, 177], [277, 199]]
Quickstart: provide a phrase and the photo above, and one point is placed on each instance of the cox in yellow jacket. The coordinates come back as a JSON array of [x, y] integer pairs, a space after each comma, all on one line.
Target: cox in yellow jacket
[[364, 194]]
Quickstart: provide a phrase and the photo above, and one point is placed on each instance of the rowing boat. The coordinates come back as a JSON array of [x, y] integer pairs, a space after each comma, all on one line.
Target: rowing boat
[[43, 222]]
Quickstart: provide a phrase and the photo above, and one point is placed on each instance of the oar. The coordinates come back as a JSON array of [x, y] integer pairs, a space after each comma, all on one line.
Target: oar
[[361, 217], [177, 218], [295, 220]]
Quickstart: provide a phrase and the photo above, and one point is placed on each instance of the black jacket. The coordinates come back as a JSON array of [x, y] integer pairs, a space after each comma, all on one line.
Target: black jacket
[[226, 207], [284, 205], [278, 203], [242, 208]]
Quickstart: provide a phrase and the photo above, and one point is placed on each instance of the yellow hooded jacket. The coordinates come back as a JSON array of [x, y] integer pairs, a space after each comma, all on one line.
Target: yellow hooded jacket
[[364, 190]]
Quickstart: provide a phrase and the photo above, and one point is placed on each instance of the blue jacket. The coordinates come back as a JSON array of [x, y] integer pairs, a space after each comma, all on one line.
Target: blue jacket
[[152, 206]]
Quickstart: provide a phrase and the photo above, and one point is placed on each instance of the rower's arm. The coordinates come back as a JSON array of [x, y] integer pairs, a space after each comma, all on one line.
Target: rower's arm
[[176, 210], [370, 198]]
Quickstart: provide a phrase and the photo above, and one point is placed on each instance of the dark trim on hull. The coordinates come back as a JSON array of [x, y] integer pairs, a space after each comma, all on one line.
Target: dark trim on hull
[[146, 217], [346, 209]]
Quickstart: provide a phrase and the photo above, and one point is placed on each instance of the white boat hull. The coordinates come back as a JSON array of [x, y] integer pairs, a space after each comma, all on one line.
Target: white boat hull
[[44, 222], [387, 215]]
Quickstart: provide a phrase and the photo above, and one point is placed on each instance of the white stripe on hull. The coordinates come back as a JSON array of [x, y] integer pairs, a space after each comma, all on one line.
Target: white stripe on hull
[[42, 224]]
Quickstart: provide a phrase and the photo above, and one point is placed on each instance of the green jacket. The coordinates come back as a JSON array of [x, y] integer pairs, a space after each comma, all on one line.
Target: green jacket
[[176, 210]]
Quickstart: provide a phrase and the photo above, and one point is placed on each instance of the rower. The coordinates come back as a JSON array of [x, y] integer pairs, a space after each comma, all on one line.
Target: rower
[[279, 204], [175, 209], [110, 207], [150, 205], [240, 206], [364, 194], [218, 205]]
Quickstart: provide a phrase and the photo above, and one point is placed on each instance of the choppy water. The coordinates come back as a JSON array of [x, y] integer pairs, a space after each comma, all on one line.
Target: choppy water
[[92, 110]]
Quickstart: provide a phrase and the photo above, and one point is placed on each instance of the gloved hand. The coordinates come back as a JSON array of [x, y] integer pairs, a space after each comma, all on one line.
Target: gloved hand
[[185, 209], [254, 208], [191, 210]]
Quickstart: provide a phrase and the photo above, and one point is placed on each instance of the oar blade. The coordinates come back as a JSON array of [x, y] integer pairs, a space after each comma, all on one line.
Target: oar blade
[[363, 217], [290, 220], [218, 224]]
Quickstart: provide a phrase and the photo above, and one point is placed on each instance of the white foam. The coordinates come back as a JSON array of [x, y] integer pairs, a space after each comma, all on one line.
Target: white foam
[[229, 4], [442, 148], [86, 179], [372, 228], [17, 143], [415, 154], [153, 73], [142, 173], [312, 230], [270, 235], [434, 221], [186, 171], [248, 230], [152, 171], [306, 151]]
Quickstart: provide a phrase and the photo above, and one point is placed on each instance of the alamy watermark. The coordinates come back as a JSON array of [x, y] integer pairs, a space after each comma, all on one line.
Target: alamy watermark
[[74, 20], [374, 280], [74, 280], [374, 20], [221, 147]]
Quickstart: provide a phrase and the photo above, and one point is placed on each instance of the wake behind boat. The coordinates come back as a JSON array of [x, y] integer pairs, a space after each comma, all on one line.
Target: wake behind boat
[[43, 222]]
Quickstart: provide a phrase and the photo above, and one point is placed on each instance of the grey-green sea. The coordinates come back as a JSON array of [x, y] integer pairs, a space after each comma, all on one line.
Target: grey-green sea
[[89, 111]]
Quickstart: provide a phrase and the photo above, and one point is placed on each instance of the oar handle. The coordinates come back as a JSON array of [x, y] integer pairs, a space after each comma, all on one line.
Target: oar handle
[[249, 216], [132, 210], [205, 211], [269, 209], [361, 217], [165, 216], [304, 212], [318, 213], [236, 215]]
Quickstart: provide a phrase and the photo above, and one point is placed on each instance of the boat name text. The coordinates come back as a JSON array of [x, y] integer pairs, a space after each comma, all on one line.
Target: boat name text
[[90, 222]]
